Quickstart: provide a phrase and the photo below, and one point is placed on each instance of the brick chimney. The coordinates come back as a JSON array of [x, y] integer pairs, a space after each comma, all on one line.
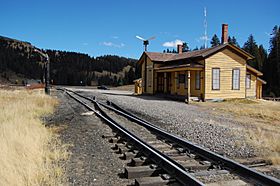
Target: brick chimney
[[180, 48], [224, 34]]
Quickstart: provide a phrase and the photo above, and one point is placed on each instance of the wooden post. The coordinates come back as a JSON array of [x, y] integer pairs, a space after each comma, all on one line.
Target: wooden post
[[155, 83], [175, 82], [165, 83], [189, 86]]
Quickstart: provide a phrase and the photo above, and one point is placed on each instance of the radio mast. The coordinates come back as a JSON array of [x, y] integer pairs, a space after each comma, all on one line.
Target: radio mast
[[205, 28]]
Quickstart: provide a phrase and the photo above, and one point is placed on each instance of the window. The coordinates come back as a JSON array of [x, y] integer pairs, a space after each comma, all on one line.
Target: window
[[235, 79], [215, 79], [181, 78], [149, 77], [177, 80], [248, 81], [197, 80]]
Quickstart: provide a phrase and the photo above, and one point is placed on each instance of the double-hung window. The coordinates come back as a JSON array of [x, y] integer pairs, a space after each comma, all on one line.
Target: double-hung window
[[236, 79], [248, 81], [215, 79], [197, 80]]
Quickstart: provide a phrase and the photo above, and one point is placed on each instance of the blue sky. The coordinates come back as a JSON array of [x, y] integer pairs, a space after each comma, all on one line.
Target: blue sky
[[99, 27]]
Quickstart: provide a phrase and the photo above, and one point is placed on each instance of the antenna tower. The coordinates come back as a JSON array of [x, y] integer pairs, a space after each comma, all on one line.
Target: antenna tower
[[205, 28]]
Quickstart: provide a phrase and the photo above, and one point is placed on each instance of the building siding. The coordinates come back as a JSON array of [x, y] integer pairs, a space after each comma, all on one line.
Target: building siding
[[251, 92], [196, 92], [148, 81], [226, 61]]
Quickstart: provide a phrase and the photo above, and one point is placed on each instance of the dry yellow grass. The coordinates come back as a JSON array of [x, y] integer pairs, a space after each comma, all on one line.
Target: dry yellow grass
[[267, 110], [261, 120], [267, 141], [30, 152]]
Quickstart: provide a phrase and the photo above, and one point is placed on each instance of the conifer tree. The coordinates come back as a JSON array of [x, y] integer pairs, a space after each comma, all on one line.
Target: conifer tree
[[263, 56], [233, 41], [273, 64], [251, 47], [196, 48], [185, 47], [215, 41]]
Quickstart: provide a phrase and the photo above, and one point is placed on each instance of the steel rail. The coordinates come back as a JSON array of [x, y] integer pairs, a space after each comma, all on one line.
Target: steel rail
[[241, 170], [247, 173], [164, 162]]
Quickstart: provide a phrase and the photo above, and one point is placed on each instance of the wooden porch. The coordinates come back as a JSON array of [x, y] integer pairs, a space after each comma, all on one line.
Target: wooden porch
[[180, 84]]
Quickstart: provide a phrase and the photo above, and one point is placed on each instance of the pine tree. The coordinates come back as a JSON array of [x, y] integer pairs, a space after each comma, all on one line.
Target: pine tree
[[215, 41], [263, 56], [202, 47], [185, 47], [251, 47], [273, 68], [196, 48], [233, 41]]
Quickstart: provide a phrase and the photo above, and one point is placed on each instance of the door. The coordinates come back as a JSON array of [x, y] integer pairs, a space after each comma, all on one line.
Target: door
[[160, 83], [168, 83]]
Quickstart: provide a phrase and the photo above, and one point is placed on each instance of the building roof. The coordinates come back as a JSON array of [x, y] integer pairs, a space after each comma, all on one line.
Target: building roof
[[164, 57], [258, 73]]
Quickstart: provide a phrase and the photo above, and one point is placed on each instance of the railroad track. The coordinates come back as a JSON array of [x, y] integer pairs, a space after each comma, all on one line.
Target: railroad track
[[156, 157]]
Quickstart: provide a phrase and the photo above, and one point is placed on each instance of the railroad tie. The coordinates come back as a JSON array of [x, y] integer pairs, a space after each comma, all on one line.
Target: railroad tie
[[151, 181], [142, 171], [139, 161]]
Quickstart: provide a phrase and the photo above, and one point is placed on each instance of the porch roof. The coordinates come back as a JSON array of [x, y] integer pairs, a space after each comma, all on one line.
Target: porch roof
[[255, 71], [261, 80], [189, 66]]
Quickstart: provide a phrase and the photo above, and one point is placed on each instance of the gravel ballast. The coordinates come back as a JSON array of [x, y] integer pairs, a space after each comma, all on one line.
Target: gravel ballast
[[91, 160], [219, 133]]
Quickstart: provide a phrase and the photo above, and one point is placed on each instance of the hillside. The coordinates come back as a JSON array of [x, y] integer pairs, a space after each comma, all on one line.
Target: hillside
[[67, 68]]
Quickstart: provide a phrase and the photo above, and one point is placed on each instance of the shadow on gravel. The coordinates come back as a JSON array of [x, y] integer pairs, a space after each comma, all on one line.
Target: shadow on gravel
[[122, 175]]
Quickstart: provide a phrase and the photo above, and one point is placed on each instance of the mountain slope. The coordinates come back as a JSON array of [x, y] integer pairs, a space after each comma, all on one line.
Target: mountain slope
[[68, 68]]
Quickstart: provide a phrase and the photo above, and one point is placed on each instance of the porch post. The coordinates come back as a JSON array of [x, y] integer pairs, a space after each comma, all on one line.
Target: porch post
[[175, 82], [155, 84], [165, 83], [189, 86]]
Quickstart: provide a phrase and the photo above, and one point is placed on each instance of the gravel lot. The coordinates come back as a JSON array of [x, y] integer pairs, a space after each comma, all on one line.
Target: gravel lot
[[220, 133], [91, 162]]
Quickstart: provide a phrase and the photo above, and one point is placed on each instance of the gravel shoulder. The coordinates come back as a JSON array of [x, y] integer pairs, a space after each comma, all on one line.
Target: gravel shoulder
[[221, 133], [91, 161]]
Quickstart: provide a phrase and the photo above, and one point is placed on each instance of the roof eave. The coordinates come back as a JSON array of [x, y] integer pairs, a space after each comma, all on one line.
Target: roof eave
[[261, 80], [246, 54], [239, 50], [252, 69]]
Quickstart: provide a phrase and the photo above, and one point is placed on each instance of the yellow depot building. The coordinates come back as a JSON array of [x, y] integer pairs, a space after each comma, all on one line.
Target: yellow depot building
[[220, 72]]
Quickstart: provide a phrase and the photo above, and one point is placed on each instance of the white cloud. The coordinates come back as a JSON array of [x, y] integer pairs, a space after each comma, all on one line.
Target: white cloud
[[173, 43], [111, 44], [85, 44], [115, 37]]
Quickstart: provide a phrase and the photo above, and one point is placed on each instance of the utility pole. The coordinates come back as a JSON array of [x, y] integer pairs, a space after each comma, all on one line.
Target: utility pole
[[46, 69]]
